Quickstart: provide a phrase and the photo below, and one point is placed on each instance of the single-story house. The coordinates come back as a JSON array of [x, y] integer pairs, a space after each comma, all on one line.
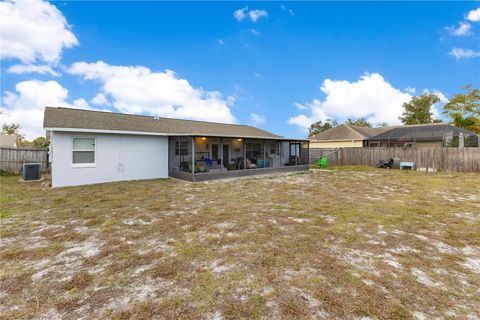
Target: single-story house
[[90, 147], [9, 140], [344, 136], [423, 135]]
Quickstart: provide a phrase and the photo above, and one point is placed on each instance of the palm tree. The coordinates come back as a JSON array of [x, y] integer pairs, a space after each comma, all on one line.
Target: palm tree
[[469, 123]]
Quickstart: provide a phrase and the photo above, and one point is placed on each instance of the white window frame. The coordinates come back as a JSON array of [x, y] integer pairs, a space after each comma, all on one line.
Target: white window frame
[[84, 165]]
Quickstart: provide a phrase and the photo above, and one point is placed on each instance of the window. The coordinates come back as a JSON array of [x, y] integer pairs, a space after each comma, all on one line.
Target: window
[[83, 150], [181, 148], [273, 147]]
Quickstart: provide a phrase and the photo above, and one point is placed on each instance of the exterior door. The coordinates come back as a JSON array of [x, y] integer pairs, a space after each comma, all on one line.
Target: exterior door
[[215, 153], [226, 154]]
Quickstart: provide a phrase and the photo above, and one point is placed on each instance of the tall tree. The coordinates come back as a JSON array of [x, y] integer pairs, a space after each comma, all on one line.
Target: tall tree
[[360, 122], [464, 109], [467, 103], [319, 126], [470, 123], [41, 142], [13, 128], [419, 109]]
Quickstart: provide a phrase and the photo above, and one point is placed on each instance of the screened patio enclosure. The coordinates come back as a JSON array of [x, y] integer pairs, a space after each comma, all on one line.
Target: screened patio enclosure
[[199, 158], [426, 135]]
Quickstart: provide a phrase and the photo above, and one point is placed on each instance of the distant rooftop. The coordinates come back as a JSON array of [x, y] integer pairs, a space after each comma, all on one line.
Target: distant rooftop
[[348, 132]]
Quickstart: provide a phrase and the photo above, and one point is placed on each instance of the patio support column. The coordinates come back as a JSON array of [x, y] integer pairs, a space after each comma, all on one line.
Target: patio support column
[[300, 151], [289, 152], [308, 152], [297, 154], [264, 155], [244, 154], [221, 154], [180, 158], [279, 145], [193, 155]]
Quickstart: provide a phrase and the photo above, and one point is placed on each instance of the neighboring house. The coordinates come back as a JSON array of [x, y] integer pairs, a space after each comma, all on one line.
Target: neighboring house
[[93, 147], [343, 136], [424, 135], [9, 140]]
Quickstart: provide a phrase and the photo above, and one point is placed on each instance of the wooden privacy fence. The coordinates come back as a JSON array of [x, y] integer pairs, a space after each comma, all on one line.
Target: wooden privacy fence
[[443, 159], [12, 159]]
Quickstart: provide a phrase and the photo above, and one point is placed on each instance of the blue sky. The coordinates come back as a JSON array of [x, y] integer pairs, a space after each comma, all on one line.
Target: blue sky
[[276, 65]]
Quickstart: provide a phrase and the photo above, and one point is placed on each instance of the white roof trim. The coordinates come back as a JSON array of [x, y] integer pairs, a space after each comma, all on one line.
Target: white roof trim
[[334, 140], [107, 131], [142, 133]]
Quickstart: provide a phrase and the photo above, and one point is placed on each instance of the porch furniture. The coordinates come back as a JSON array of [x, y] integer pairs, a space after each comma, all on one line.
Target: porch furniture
[[209, 162], [263, 163], [239, 163], [260, 163], [250, 165], [322, 162], [405, 164], [385, 164]]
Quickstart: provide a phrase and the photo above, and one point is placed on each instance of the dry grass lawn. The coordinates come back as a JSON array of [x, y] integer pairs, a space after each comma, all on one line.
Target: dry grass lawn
[[352, 243]]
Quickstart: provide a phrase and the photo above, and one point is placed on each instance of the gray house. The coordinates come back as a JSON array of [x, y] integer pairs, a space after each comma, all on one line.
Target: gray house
[[94, 147]]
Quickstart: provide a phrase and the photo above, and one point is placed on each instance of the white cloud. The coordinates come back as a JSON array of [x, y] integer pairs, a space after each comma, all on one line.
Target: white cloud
[[290, 11], [460, 53], [33, 31], [316, 113], [254, 15], [443, 98], [410, 90], [371, 97], [255, 32], [257, 14], [474, 15], [100, 100], [221, 42], [30, 68], [137, 89], [463, 29], [257, 119], [300, 106], [240, 14], [26, 106]]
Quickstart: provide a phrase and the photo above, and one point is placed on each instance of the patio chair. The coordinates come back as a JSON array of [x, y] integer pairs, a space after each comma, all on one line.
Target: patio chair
[[322, 162], [250, 165], [208, 161], [385, 164]]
